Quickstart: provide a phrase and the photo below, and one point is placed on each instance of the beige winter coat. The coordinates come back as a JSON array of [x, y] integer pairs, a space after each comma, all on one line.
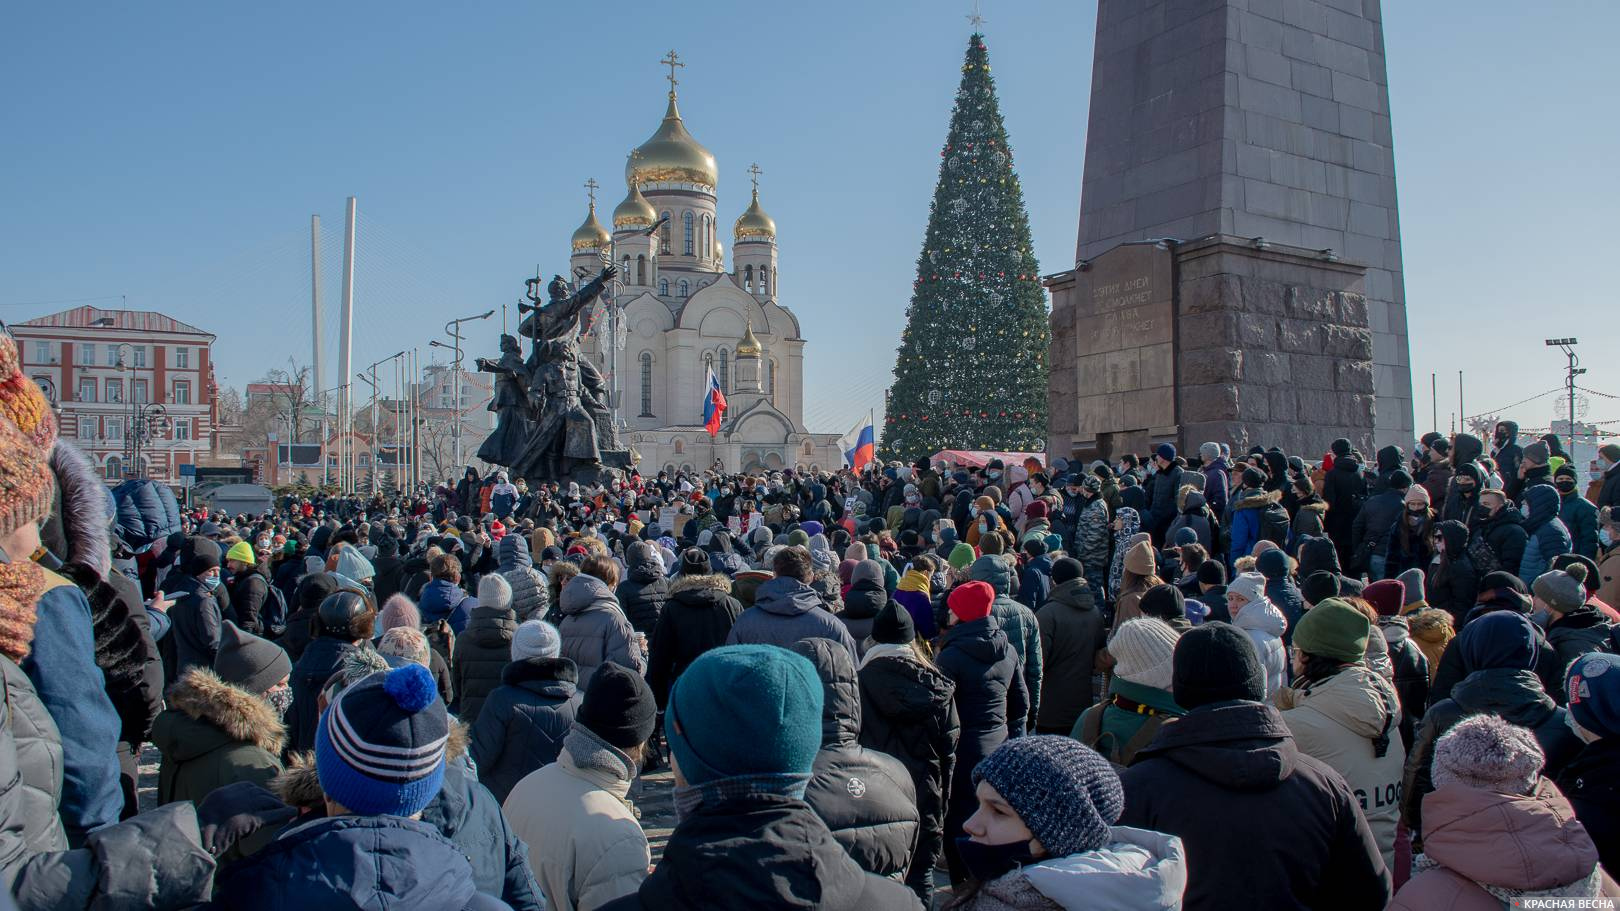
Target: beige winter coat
[[585, 845], [1336, 721]]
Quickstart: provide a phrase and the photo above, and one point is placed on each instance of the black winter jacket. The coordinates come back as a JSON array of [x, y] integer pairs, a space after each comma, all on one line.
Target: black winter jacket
[[481, 653], [523, 722], [249, 590], [1591, 781], [317, 665], [1345, 490], [865, 797], [1072, 630], [643, 593], [1584, 629], [698, 617], [766, 852], [1369, 533], [389, 579], [195, 619], [1257, 817], [1453, 583], [1411, 675], [861, 606]]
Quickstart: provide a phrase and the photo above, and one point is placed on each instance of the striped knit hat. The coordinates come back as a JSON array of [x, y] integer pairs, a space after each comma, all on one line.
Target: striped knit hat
[[22, 401], [27, 486], [379, 749]]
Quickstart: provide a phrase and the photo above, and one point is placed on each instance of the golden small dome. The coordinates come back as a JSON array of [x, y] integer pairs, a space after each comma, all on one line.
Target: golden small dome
[[748, 345], [671, 155], [719, 251], [634, 212], [754, 223], [591, 235]]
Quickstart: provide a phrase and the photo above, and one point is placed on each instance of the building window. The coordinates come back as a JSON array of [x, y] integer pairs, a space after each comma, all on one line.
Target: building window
[[115, 390], [628, 275], [138, 392], [114, 355], [663, 287], [646, 384], [663, 236], [87, 389], [686, 231], [87, 428], [708, 237], [748, 279], [725, 370], [182, 391], [115, 429], [770, 378], [764, 280], [641, 270], [139, 355], [685, 288], [182, 358], [87, 354], [115, 468], [182, 430], [42, 352]]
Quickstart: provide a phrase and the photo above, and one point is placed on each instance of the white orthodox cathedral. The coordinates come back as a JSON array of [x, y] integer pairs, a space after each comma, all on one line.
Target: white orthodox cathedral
[[684, 311]]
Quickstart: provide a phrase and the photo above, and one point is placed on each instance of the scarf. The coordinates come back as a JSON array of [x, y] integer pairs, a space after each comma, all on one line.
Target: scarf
[[902, 650], [692, 797], [21, 585]]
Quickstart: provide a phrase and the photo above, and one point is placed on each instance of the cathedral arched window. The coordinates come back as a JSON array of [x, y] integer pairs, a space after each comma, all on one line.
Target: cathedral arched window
[[764, 280], [646, 384], [641, 270], [625, 272], [663, 236], [725, 370], [686, 232], [663, 287], [685, 288], [748, 279], [770, 378], [706, 239]]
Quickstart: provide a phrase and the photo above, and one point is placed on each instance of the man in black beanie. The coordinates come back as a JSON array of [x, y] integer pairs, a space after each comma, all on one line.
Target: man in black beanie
[[585, 846], [1072, 629], [1318, 587], [1212, 590], [193, 640], [1257, 817]]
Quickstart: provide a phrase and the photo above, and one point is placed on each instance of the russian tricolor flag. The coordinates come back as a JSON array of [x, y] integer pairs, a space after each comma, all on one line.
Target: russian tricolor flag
[[714, 403], [858, 445]]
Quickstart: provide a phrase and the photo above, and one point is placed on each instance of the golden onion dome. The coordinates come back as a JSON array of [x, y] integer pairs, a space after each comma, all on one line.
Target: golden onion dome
[[719, 251], [591, 235], [754, 223], [672, 156], [748, 345], [634, 212]]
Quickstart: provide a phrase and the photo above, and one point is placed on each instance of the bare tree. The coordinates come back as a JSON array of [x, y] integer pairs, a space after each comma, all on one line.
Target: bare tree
[[291, 397]]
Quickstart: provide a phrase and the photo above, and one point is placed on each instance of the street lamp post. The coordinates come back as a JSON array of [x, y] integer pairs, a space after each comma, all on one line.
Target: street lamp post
[[452, 330], [1567, 345], [371, 380]]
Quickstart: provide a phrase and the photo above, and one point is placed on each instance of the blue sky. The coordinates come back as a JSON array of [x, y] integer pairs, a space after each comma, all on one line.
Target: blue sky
[[174, 152]]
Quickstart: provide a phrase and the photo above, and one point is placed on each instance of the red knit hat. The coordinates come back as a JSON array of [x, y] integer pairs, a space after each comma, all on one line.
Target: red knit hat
[[971, 601], [1036, 510], [1387, 597]]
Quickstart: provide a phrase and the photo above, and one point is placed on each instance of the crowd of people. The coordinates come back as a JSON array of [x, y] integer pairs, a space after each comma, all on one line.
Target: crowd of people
[[1180, 681]]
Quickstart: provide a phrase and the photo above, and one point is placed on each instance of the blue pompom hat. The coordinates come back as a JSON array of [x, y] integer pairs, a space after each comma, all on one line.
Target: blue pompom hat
[[379, 749]]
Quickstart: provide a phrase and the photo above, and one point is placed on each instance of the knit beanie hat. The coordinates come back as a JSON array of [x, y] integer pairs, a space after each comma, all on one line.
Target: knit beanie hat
[[1165, 602], [962, 556], [1416, 495], [1166, 451], [1216, 662], [745, 710], [199, 555], [379, 749], [1487, 753], [1610, 451], [971, 601], [1209, 452], [24, 404], [1399, 480], [1412, 583], [694, 562], [353, 564], [1184, 536], [1065, 792], [1333, 629], [1387, 596], [1211, 572], [1066, 569], [798, 538], [1252, 586], [867, 571], [1144, 651], [27, 486], [1273, 564], [618, 707], [1560, 590], [535, 639], [241, 552], [1253, 478], [1593, 686], [1139, 559], [249, 662], [1035, 510], [893, 625], [1537, 453], [494, 591], [1499, 639], [1319, 586]]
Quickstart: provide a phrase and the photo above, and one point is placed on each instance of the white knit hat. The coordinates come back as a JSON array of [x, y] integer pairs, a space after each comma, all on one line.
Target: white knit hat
[[1251, 586], [535, 639], [1143, 650]]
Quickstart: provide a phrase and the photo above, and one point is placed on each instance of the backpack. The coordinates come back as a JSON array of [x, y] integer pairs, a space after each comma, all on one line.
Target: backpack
[[1091, 734], [1479, 551], [274, 613], [441, 638], [1274, 524]]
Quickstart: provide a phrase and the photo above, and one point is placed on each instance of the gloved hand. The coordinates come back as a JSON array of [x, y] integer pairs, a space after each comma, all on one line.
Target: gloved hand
[[236, 811]]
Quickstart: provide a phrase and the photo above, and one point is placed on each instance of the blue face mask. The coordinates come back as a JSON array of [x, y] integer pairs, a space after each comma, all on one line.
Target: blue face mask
[[212, 582]]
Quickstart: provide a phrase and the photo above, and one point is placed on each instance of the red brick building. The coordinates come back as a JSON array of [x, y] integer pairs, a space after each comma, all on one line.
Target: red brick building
[[110, 372]]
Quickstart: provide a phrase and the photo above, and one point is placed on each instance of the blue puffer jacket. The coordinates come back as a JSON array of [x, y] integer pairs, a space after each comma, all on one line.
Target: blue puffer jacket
[[445, 600], [523, 722], [1548, 536], [372, 862], [144, 512]]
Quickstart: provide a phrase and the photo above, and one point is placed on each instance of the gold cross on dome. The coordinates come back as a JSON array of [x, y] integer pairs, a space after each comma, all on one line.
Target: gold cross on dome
[[754, 172], [976, 18], [672, 60], [590, 189]]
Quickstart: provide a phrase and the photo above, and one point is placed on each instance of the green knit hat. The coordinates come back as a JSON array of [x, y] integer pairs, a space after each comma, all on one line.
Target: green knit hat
[[1333, 629], [962, 556]]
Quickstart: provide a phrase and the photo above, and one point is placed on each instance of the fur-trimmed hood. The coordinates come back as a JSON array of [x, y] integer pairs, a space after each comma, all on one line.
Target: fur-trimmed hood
[[298, 785], [714, 581], [241, 716], [77, 531]]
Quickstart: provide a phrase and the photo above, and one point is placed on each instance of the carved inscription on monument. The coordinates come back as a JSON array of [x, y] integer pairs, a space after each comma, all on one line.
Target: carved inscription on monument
[[1123, 342]]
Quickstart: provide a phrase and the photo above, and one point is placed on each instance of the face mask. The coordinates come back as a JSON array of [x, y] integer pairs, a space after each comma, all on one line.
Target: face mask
[[280, 699], [1605, 537], [1415, 518], [973, 511], [987, 862], [984, 527], [1565, 486], [211, 582]]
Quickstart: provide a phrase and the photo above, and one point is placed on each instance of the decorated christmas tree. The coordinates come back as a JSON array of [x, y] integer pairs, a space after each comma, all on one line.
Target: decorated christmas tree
[[971, 370]]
